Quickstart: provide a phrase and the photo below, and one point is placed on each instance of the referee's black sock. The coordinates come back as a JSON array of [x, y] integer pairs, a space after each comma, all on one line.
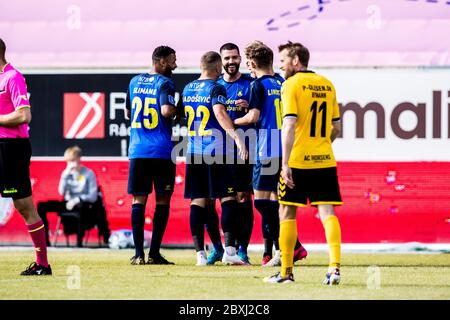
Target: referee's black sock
[[197, 223], [245, 227], [263, 207], [160, 219], [228, 222], [275, 223], [212, 226], [137, 223]]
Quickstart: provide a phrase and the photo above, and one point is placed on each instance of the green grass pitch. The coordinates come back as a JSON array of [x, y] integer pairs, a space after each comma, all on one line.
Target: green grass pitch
[[106, 274]]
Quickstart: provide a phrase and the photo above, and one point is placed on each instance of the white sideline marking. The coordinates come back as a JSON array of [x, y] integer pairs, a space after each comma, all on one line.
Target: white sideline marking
[[409, 247]]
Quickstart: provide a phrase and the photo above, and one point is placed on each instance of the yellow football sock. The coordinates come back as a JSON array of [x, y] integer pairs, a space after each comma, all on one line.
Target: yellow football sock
[[333, 235], [288, 237]]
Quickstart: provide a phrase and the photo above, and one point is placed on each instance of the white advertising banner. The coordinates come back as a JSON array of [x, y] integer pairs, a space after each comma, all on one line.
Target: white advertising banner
[[392, 114]]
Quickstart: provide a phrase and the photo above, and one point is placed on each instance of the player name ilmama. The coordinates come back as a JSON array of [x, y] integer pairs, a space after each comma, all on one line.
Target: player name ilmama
[[196, 310], [151, 91]]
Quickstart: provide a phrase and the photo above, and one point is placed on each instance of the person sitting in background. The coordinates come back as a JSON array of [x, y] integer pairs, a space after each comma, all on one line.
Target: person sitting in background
[[78, 186]]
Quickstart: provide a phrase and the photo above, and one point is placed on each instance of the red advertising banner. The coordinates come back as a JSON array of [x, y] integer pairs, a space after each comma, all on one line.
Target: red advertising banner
[[384, 202]]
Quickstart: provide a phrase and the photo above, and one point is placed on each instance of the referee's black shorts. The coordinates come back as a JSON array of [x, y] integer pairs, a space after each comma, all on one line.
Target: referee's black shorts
[[15, 155], [313, 186]]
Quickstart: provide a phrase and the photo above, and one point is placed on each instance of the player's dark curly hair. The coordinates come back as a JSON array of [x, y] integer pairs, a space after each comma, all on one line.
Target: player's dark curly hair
[[162, 52], [229, 46], [296, 49], [2, 49]]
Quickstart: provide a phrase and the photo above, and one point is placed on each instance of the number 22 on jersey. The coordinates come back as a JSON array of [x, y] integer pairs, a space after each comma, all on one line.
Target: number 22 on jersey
[[150, 116], [203, 115]]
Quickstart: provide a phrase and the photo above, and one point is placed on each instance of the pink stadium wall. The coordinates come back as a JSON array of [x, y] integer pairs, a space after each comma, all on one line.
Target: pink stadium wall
[[121, 33]]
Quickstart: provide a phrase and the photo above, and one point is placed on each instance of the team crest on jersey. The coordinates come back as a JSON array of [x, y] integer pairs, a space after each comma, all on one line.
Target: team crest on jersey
[[201, 85], [151, 79], [239, 93], [279, 82]]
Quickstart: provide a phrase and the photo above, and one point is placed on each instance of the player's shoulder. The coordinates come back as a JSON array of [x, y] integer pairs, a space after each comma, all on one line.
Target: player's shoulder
[[217, 87], [278, 77], [246, 78], [11, 72], [138, 78], [221, 80]]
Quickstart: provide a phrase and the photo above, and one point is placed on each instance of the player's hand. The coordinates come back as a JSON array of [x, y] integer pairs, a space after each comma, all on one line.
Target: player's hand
[[242, 103], [72, 203], [286, 175], [243, 153]]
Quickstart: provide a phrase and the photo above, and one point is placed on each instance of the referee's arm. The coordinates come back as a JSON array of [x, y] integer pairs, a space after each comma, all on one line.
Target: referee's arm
[[19, 116]]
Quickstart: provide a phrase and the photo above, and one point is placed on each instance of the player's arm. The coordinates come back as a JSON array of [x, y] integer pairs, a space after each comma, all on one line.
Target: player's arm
[[128, 105], [227, 124], [252, 116], [336, 124], [287, 141], [336, 129], [18, 92], [167, 100], [254, 104], [290, 112], [218, 101], [17, 117]]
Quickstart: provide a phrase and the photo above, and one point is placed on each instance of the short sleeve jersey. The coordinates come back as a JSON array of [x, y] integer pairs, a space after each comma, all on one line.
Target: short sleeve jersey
[[265, 95], [13, 96], [311, 98], [151, 133]]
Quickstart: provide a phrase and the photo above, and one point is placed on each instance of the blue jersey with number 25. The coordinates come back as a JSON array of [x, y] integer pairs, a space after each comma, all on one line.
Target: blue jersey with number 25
[[150, 135]]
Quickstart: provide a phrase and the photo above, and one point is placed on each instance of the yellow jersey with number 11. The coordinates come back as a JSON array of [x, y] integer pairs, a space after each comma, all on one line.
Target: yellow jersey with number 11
[[312, 99]]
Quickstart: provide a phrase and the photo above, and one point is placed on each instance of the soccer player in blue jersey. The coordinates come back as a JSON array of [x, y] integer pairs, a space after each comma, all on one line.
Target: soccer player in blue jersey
[[151, 104], [237, 86], [207, 175], [264, 111]]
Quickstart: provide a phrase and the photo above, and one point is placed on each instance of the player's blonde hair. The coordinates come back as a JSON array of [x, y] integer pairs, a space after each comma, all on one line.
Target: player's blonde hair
[[72, 153], [260, 53]]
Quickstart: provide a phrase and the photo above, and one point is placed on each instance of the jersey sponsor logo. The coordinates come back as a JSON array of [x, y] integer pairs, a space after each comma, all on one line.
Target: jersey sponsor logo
[[317, 157], [84, 115], [222, 99]]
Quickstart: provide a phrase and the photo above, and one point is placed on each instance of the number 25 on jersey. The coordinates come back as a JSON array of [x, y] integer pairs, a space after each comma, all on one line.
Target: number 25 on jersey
[[150, 116]]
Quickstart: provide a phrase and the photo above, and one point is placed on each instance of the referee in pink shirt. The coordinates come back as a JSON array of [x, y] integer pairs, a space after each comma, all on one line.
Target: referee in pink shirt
[[15, 154]]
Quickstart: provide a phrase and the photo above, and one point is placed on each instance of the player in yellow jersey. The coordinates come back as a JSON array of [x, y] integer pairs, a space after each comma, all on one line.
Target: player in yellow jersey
[[311, 122]]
